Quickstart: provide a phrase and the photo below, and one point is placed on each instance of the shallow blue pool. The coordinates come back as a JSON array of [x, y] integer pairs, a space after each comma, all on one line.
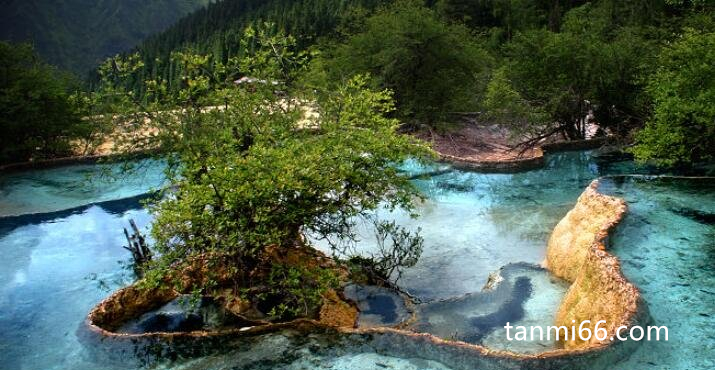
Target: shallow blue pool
[[67, 256], [60, 188], [666, 245]]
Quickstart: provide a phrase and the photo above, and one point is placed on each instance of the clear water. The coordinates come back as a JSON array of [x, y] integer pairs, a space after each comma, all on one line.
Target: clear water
[[525, 295], [57, 266], [667, 248], [60, 188], [378, 306], [294, 351], [475, 223], [53, 272]]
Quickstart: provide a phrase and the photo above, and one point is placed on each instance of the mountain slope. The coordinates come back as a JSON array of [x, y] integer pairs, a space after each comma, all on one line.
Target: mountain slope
[[223, 22], [78, 34], [218, 28]]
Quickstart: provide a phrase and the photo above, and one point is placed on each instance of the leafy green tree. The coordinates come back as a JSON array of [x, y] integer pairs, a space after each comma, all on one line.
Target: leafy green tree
[[588, 65], [505, 106], [432, 66], [38, 118], [682, 127], [504, 18], [217, 29], [254, 172]]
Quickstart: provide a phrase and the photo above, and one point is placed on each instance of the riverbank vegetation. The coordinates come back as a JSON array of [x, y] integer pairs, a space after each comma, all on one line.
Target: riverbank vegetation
[[38, 117]]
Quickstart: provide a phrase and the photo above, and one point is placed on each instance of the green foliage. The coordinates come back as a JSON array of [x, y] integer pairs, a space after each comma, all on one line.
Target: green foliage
[[77, 35], [504, 18], [693, 3], [682, 128], [218, 30], [504, 105], [297, 289], [586, 65], [39, 119], [432, 66], [251, 171]]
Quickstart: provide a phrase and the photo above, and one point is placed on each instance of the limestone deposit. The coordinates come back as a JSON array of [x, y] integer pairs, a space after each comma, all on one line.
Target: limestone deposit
[[577, 252]]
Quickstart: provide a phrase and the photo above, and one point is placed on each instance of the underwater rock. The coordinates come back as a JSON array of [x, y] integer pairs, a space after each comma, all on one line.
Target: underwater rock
[[696, 215], [182, 315], [169, 322], [430, 174], [379, 307], [459, 188], [510, 311], [611, 153], [476, 317]]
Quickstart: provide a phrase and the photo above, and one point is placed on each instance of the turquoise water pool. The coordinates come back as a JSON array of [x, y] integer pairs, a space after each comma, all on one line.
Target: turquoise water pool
[[60, 188], [67, 256], [666, 245]]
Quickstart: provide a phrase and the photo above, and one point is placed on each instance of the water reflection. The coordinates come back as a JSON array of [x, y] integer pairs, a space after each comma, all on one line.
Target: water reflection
[[54, 270]]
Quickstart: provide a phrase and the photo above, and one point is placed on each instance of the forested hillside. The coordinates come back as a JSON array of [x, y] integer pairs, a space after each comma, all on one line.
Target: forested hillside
[[77, 34], [218, 28], [539, 68]]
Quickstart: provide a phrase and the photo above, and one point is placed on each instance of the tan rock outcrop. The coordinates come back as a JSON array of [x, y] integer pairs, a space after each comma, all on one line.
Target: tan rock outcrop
[[577, 252], [128, 303], [335, 311], [585, 225]]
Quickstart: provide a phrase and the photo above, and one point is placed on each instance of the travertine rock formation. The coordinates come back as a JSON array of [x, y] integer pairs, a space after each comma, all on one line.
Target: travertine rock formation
[[577, 252]]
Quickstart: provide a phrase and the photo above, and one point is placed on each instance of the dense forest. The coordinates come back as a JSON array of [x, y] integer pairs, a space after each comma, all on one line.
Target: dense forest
[[539, 67], [78, 34]]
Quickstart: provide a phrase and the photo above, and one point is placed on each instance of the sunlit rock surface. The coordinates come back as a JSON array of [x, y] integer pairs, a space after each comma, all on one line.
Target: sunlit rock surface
[[577, 233], [577, 252]]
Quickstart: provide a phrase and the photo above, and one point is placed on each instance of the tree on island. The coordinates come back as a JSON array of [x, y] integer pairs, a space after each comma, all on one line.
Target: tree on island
[[256, 165]]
